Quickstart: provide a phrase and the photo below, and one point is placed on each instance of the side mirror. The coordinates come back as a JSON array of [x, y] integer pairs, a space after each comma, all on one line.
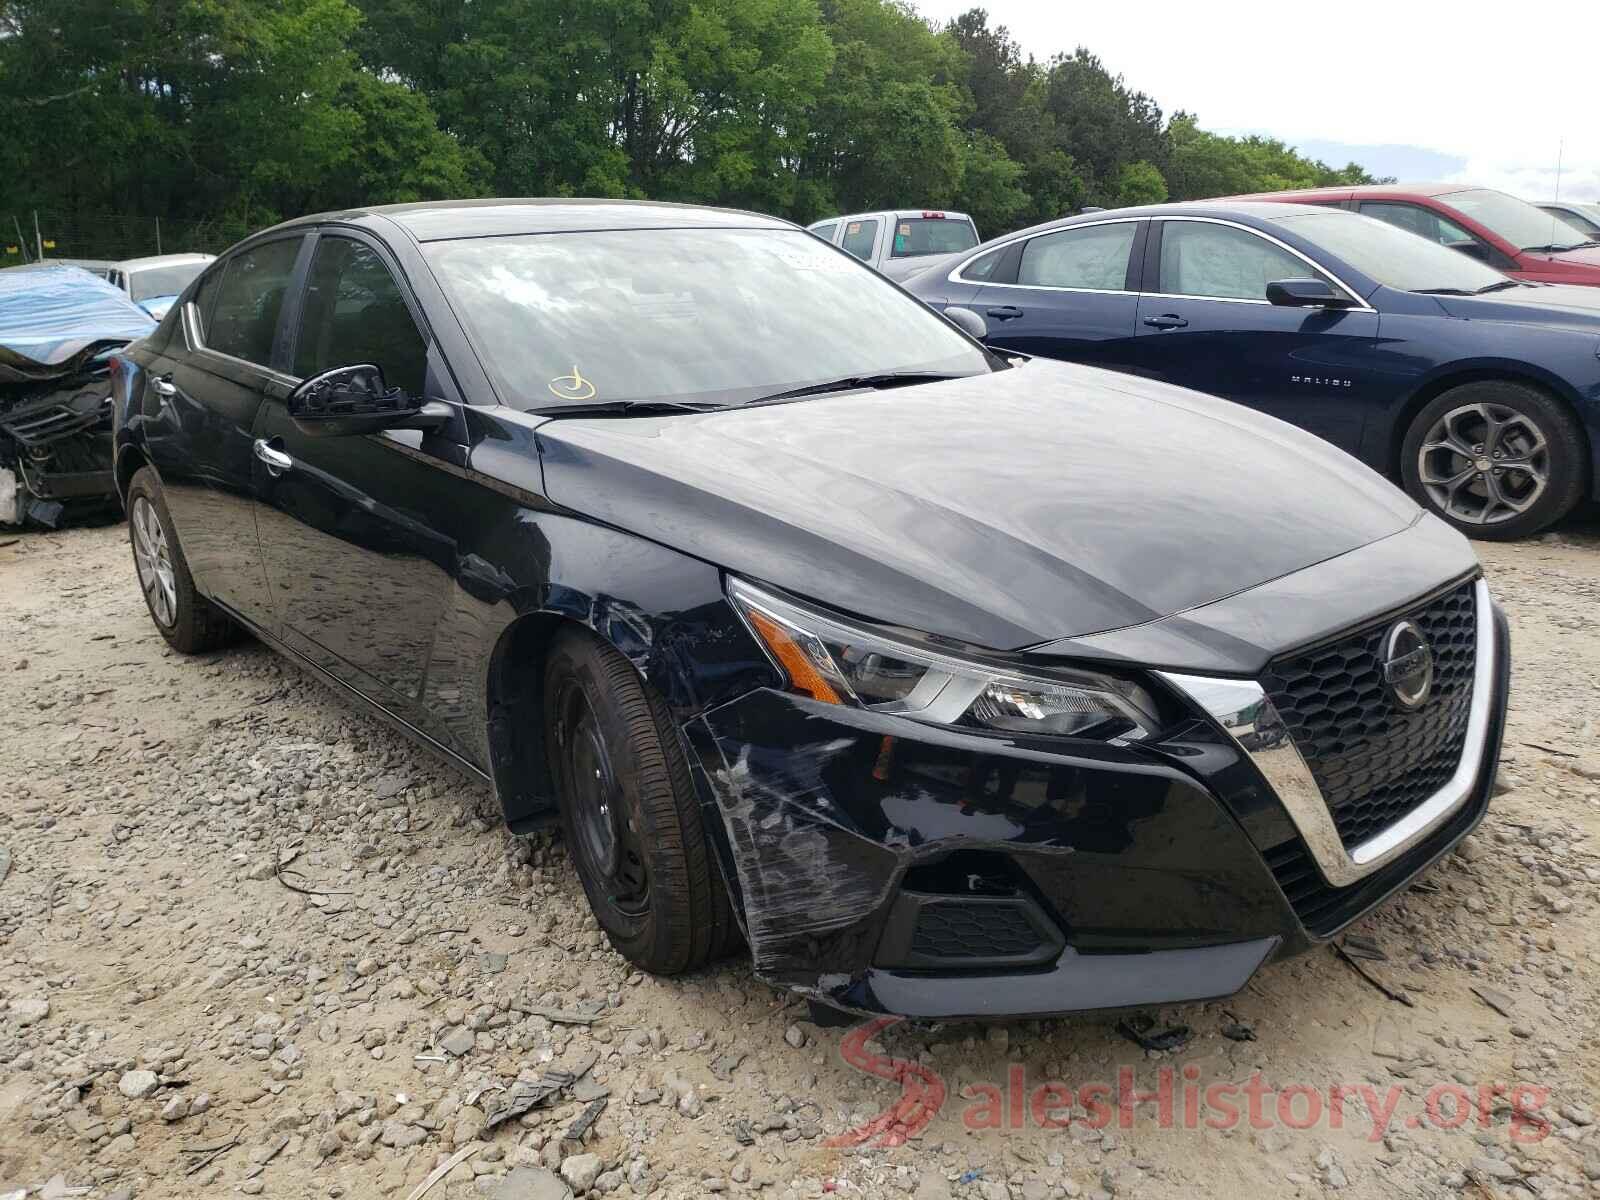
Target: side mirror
[[1305, 293], [354, 400], [969, 322]]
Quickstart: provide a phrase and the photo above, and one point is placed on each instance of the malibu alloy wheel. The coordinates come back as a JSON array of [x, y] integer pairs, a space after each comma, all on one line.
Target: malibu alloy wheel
[[1498, 460]]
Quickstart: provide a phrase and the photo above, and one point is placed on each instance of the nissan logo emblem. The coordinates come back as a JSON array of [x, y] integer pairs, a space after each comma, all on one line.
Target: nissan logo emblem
[[1407, 664]]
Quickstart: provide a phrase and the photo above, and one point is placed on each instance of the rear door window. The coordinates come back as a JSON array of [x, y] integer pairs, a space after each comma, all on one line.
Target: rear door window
[[244, 322], [1090, 257], [860, 237], [355, 313]]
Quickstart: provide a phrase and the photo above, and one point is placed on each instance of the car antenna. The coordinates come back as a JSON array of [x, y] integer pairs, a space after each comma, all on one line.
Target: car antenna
[[1561, 151]]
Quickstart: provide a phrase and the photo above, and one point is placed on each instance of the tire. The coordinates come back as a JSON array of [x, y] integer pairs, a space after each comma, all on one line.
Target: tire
[[629, 811], [1498, 460], [190, 623]]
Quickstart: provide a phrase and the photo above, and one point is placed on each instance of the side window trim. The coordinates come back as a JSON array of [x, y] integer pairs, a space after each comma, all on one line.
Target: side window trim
[[1359, 302]]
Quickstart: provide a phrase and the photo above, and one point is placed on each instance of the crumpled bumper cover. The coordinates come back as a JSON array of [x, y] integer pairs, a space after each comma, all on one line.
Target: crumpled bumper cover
[[1159, 891], [1150, 860]]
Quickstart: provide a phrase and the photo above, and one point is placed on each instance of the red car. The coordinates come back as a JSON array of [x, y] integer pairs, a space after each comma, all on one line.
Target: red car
[[1501, 231]]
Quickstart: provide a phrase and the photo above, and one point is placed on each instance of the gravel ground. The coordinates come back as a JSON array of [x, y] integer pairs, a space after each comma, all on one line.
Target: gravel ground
[[253, 942]]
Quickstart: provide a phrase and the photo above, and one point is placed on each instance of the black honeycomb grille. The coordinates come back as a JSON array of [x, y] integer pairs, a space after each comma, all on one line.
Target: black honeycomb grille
[[957, 931], [1373, 760]]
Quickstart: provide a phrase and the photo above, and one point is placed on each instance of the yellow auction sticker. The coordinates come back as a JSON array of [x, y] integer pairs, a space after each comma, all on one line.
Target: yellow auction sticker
[[571, 387]]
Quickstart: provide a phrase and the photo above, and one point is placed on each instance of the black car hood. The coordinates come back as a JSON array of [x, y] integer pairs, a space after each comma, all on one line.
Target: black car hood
[[1545, 304], [1003, 510]]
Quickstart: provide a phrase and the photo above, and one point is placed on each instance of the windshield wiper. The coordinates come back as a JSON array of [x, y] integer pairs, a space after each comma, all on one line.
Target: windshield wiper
[[626, 408], [851, 383], [1556, 248], [1496, 286]]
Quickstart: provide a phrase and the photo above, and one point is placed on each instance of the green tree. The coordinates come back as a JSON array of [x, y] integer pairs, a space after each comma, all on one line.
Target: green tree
[[1141, 183]]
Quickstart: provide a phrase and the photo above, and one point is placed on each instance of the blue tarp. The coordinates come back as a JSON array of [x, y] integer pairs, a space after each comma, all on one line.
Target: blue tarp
[[52, 317]]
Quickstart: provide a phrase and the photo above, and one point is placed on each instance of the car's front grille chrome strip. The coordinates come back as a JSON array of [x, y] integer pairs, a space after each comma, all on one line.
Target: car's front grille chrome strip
[[1248, 715]]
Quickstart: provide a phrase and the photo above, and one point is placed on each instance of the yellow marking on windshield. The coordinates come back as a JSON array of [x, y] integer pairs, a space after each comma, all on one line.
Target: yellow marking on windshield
[[571, 387]]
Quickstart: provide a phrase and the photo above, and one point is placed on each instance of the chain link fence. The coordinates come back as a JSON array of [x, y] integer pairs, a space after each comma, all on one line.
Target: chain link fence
[[29, 236]]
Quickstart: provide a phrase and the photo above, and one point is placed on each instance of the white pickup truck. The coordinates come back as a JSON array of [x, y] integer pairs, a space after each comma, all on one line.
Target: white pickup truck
[[899, 242]]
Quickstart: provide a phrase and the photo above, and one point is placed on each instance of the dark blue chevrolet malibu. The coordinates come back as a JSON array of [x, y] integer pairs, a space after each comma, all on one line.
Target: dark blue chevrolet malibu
[[1478, 392]]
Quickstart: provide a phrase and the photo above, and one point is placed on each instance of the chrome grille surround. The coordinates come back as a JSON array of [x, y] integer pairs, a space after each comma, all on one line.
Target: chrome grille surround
[[1248, 715]]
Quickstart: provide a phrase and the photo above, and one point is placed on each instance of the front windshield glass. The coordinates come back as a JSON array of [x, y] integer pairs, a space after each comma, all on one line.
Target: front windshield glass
[[163, 281], [718, 316], [1393, 256], [1524, 225]]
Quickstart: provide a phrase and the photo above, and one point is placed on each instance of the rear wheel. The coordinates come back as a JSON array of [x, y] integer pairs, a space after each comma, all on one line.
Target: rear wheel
[[1496, 459], [189, 622], [629, 811]]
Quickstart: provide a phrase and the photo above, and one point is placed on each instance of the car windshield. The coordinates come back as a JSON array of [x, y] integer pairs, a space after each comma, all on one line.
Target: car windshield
[[692, 316], [162, 281], [1524, 225], [1394, 257], [915, 236]]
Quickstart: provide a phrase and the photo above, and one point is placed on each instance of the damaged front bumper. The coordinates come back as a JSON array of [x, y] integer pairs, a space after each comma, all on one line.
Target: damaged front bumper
[[884, 865], [55, 451]]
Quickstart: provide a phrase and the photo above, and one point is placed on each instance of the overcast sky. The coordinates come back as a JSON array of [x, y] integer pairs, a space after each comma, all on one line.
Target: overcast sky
[[1406, 88]]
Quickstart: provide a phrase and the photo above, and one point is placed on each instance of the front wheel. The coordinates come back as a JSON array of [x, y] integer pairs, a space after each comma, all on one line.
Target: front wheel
[[629, 811], [1496, 459]]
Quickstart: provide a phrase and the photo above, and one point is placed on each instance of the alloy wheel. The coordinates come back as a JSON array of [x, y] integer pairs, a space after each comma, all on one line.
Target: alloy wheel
[[1483, 464], [154, 561], [606, 832]]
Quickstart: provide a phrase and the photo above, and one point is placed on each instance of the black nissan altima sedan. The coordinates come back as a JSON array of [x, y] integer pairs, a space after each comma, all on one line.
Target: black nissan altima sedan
[[955, 684]]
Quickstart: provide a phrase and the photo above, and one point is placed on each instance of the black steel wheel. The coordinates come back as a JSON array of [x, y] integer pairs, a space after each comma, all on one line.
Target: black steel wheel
[[629, 811]]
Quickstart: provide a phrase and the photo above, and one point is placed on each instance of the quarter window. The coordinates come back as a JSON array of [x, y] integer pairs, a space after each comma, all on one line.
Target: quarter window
[[249, 299], [1420, 221], [1094, 257], [825, 232], [859, 237], [982, 268], [1224, 263], [354, 313]]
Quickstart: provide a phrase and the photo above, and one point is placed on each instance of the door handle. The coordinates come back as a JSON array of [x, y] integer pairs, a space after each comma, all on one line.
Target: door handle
[[164, 386], [1004, 312], [276, 460], [1166, 321]]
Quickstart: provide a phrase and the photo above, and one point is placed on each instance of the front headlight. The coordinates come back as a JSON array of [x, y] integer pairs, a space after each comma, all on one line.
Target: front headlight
[[828, 659]]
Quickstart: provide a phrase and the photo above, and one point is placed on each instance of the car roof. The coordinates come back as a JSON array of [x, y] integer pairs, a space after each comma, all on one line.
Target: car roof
[[1369, 190], [162, 260], [1261, 210], [87, 263], [443, 220], [896, 214]]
